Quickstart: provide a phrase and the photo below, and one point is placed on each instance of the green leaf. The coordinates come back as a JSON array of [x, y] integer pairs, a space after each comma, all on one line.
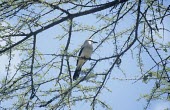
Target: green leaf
[[145, 78], [165, 50], [150, 74]]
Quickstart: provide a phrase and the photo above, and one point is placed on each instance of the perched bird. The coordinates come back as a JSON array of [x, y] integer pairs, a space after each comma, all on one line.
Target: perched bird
[[84, 54]]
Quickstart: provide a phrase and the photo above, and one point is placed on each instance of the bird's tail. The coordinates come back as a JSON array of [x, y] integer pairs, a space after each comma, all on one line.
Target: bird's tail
[[76, 73]]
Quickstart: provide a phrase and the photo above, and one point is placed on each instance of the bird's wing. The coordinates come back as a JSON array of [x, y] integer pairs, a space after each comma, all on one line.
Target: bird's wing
[[80, 54]]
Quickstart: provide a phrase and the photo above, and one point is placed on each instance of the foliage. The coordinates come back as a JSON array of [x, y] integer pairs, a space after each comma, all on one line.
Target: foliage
[[44, 80]]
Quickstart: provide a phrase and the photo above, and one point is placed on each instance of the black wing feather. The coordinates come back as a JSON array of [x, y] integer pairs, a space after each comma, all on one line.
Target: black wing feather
[[79, 54]]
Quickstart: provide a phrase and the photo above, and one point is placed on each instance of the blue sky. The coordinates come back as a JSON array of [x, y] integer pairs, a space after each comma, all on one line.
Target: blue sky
[[124, 94]]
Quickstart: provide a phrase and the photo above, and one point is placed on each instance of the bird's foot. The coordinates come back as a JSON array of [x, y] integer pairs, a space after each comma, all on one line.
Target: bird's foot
[[86, 58]]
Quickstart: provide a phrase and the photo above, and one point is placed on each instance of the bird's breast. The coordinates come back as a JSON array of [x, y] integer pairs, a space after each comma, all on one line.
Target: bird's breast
[[87, 52]]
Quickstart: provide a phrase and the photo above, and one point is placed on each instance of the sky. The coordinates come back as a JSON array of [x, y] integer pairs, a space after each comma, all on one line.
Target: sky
[[124, 94]]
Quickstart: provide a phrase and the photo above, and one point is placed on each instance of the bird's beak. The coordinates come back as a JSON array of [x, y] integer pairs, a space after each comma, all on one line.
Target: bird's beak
[[94, 42]]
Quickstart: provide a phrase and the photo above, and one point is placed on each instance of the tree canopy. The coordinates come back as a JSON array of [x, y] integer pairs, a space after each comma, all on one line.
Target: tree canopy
[[36, 72]]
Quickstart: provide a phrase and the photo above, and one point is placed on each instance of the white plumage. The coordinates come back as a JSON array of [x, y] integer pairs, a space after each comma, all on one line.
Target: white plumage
[[85, 53]]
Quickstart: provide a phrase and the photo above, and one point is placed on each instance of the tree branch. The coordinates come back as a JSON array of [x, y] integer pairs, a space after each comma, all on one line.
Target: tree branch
[[71, 16]]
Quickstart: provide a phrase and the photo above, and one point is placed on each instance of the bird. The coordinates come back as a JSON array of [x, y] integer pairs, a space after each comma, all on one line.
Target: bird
[[84, 54]]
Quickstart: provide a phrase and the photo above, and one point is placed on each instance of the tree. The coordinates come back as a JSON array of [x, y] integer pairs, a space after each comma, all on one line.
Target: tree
[[44, 80]]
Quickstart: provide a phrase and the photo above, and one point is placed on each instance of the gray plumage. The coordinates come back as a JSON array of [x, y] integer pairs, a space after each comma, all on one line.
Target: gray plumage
[[85, 53]]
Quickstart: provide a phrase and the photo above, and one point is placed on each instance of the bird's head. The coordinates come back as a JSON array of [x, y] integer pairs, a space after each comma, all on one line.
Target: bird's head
[[90, 40]]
